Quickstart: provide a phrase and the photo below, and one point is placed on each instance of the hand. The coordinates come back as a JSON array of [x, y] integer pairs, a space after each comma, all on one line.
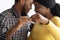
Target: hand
[[24, 20], [39, 18]]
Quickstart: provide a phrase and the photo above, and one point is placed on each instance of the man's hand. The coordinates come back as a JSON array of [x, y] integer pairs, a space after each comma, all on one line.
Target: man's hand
[[24, 19], [39, 18]]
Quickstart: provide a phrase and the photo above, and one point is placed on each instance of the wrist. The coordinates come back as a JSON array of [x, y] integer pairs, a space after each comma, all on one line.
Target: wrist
[[19, 25]]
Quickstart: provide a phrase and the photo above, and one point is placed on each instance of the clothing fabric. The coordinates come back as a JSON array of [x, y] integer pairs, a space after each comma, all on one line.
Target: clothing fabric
[[8, 20], [50, 31]]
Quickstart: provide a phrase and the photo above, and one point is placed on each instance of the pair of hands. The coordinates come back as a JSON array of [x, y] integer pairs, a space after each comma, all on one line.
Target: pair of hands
[[36, 18]]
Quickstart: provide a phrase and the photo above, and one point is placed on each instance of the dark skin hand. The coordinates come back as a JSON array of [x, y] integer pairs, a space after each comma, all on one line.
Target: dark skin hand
[[39, 18]]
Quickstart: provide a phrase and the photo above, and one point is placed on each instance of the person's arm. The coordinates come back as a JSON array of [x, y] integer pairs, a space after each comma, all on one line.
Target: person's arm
[[1, 21], [10, 32], [56, 21], [53, 27], [54, 30], [22, 21]]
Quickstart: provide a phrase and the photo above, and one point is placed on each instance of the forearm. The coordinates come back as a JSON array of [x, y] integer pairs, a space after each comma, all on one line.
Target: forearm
[[13, 30], [54, 30], [56, 21]]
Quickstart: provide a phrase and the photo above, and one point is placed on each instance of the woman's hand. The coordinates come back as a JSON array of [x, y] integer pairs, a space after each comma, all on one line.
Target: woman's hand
[[39, 18]]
